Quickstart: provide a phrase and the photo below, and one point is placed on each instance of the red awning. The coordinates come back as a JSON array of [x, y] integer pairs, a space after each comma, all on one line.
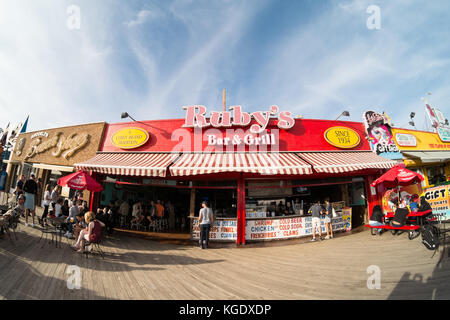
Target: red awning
[[262, 163], [129, 164], [336, 162]]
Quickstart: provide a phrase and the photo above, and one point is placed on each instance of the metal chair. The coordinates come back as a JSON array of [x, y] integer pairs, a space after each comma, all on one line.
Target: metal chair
[[95, 246], [136, 224]]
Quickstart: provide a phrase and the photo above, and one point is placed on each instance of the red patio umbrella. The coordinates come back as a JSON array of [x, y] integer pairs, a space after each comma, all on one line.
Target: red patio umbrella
[[80, 181], [398, 176]]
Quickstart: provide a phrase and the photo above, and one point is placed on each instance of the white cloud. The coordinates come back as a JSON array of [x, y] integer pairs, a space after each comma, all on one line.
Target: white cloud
[[142, 17]]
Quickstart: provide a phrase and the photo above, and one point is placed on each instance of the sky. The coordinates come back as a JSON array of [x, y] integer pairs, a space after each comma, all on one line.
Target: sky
[[79, 61]]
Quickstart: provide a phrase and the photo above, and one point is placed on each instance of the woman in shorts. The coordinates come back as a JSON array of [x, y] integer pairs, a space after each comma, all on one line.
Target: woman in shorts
[[328, 216]]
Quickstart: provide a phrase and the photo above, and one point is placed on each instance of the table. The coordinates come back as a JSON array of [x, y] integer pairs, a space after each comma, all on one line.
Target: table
[[56, 223], [419, 214]]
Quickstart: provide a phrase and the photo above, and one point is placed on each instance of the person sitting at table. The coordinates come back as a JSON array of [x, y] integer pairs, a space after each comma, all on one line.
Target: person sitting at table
[[80, 224], [424, 204], [13, 214], [105, 216], [399, 218], [58, 205], [414, 205], [376, 219], [71, 219], [137, 213], [65, 208], [92, 233], [393, 201]]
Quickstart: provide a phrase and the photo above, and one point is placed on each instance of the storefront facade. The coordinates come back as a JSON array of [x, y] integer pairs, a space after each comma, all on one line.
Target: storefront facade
[[425, 153], [260, 172], [428, 154], [50, 154]]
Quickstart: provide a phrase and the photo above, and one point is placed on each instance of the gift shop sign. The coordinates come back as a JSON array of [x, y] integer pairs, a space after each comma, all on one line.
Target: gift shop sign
[[439, 199], [196, 118], [130, 138], [342, 137]]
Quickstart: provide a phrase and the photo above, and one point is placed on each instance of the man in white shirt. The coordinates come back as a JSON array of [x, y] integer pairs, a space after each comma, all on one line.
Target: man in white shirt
[[123, 211]]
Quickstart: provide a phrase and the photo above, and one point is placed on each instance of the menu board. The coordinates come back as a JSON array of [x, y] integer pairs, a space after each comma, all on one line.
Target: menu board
[[286, 228], [221, 230]]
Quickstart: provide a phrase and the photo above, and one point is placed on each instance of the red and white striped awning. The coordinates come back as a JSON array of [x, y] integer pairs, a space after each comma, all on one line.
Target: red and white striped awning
[[129, 164], [262, 163], [336, 162]]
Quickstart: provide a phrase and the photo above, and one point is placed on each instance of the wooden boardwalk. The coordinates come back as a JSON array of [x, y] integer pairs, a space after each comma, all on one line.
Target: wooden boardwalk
[[136, 268]]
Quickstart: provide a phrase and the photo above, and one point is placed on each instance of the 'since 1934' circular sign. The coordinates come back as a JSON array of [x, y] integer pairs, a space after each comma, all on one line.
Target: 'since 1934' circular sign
[[130, 138], [342, 137]]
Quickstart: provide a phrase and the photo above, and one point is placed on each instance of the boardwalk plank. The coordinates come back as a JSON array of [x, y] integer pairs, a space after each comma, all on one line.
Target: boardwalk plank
[[136, 268]]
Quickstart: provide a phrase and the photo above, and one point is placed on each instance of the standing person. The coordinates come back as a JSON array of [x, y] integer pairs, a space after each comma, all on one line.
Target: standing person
[[124, 209], [205, 219], [329, 215], [39, 192], [54, 196], [171, 209], [46, 203], [19, 186], [316, 210], [113, 214], [159, 209], [152, 212], [30, 189], [92, 233]]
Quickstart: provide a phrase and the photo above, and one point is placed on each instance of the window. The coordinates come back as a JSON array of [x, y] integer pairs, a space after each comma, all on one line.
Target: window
[[436, 174]]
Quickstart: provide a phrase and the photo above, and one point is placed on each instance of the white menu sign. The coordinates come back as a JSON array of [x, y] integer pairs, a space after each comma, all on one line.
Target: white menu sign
[[287, 228]]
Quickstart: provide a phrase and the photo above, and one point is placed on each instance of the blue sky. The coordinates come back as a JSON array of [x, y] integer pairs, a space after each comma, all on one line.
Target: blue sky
[[149, 58]]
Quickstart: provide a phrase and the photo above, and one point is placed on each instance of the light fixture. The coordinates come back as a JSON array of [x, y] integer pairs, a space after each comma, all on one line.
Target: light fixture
[[412, 114], [345, 114], [126, 115], [411, 123]]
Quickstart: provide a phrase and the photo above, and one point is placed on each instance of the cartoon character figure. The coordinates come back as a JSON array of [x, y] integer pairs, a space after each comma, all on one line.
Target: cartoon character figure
[[381, 135]]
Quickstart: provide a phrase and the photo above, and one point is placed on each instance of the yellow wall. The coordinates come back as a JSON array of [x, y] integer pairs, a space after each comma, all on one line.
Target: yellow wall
[[426, 141]]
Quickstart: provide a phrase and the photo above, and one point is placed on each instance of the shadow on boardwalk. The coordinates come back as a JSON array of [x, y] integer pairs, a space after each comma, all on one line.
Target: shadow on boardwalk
[[119, 251], [433, 288], [30, 271], [24, 282]]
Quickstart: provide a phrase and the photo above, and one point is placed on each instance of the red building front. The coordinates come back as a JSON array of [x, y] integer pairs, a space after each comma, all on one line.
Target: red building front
[[260, 185]]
